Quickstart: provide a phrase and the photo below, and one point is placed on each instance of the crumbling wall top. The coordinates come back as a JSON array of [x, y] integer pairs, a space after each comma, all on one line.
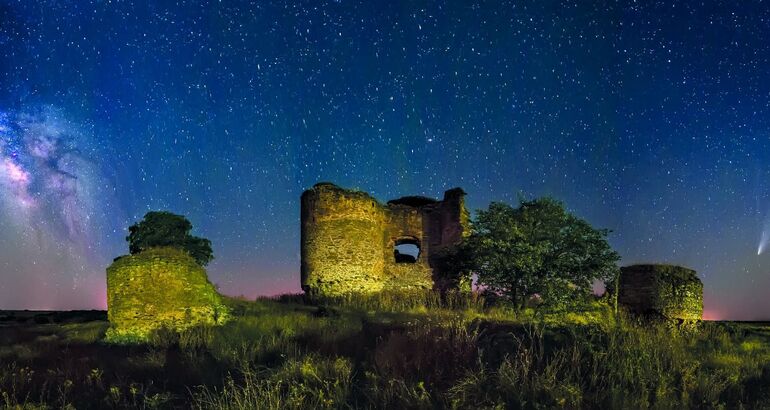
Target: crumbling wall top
[[413, 201]]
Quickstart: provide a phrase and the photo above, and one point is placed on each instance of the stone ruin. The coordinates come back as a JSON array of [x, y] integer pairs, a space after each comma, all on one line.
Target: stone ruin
[[669, 291], [159, 288], [352, 243]]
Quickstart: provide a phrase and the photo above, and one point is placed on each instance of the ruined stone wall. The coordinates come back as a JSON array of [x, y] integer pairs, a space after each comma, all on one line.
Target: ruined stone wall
[[159, 287], [450, 224], [406, 223], [671, 291], [342, 241], [348, 239]]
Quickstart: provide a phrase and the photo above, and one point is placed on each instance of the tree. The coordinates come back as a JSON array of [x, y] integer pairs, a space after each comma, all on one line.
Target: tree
[[538, 249], [162, 228]]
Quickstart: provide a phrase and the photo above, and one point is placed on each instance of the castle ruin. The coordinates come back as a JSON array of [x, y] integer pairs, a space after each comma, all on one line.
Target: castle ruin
[[159, 288], [352, 243], [670, 291]]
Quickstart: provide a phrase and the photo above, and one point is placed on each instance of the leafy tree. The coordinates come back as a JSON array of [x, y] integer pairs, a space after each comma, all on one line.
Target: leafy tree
[[538, 249], [162, 228]]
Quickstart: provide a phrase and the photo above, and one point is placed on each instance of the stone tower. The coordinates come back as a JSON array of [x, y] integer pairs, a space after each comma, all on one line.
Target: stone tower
[[352, 243], [670, 291], [159, 287]]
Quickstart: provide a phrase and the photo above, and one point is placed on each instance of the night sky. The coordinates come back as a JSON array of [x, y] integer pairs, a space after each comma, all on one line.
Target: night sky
[[647, 118]]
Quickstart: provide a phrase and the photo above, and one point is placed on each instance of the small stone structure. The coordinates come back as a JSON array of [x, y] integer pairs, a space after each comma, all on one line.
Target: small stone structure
[[671, 291], [159, 287], [350, 242]]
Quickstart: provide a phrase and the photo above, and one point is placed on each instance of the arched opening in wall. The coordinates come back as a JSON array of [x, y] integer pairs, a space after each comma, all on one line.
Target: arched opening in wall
[[406, 250]]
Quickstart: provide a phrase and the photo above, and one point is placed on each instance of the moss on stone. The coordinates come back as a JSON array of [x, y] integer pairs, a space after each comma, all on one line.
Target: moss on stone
[[672, 291], [159, 288]]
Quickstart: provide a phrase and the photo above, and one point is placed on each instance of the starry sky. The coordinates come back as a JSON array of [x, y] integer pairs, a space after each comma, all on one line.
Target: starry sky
[[648, 118]]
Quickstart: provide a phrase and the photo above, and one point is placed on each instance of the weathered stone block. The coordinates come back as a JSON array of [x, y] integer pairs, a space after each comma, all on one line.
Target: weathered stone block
[[671, 291], [349, 240], [159, 287]]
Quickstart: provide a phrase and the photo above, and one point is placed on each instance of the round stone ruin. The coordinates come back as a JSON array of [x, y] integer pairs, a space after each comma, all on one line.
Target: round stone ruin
[[669, 291], [159, 288]]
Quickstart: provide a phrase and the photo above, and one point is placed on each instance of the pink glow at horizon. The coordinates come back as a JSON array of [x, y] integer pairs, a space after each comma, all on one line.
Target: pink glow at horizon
[[259, 288], [711, 314], [102, 300]]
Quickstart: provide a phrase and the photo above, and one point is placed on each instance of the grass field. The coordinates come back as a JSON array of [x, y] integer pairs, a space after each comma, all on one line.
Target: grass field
[[394, 351]]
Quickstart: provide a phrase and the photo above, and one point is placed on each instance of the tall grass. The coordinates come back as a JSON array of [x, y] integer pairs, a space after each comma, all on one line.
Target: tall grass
[[417, 350], [406, 301], [631, 365], [311, 382], [573, 360]]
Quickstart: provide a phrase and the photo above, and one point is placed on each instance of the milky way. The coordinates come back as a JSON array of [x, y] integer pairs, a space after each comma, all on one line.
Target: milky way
[[50, 214]]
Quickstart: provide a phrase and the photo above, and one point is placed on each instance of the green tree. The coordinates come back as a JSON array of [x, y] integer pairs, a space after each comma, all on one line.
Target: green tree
[[538, 249], [162, 228]]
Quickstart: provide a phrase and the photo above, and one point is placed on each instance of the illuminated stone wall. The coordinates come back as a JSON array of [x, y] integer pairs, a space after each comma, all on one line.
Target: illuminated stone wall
[[348, 239], [159, 287], [671, 291]]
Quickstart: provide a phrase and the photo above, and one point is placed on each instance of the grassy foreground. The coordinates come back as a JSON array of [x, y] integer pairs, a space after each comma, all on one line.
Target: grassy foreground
[[391, 351]]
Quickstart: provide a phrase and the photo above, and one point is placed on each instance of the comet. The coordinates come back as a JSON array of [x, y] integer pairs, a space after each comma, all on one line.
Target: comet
[[764, 238]]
